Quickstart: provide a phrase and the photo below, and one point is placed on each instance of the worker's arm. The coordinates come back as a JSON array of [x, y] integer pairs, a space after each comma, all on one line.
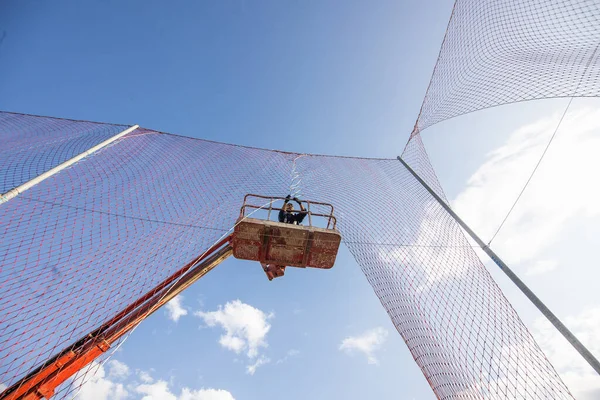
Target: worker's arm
[[287, 199], [299, 217], [299, 204]]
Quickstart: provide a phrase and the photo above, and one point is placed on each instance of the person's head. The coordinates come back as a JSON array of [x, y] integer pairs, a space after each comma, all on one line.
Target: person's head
[[289, 207]]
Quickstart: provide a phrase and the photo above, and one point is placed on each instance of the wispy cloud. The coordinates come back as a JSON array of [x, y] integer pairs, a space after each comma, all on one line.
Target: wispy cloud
[[94, 384], [538, 220], [175, 309], [290, 353], [145, 377], [245, 327], [118, 370], [577, 374], [560, 194], [366, 343], [262, 360], [424, 267]]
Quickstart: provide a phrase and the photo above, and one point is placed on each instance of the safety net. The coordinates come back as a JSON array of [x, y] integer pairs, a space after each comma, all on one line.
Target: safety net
[[505, 51], [85, 244], [88, 242], [32, 145]]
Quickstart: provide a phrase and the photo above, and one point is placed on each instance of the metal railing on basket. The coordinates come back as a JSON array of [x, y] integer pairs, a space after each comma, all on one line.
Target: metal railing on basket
[[331, 220]]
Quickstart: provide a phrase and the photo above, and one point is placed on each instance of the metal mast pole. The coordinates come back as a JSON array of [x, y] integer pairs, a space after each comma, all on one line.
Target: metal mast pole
[[585, 353], [27, 185]]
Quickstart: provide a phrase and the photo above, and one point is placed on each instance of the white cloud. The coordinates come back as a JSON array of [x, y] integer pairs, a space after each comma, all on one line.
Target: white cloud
[[94, 385], [262, 360], [117, 369], [145, 377], [174, 308], [366, 343], [577, 374], [3, 387], [246, 327], [561, 199], [561, 189], [205, 394], [426, 254], [159, 390], [290, 353]]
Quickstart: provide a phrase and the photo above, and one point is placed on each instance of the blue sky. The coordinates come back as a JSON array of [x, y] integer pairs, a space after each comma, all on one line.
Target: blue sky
[[302, 76], [343, 78]]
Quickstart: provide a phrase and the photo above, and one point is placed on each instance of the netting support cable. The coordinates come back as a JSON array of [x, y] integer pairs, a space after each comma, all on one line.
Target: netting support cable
[[534, 170], [585, 353], [28, 185]]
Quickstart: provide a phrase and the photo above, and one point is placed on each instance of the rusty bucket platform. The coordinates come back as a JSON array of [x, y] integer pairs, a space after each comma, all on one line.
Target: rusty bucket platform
[[277, 243]]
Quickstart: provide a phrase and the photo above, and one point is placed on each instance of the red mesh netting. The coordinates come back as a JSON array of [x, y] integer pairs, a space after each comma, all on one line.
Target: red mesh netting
[[83, 244], [498, 52], [32, 145]]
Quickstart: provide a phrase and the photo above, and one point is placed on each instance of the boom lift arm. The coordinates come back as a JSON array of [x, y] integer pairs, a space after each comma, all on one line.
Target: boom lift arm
[[42, 382], [275, 245]]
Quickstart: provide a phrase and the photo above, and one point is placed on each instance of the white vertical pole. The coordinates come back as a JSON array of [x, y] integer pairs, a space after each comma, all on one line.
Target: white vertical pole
[[27, 185], [585, 353]]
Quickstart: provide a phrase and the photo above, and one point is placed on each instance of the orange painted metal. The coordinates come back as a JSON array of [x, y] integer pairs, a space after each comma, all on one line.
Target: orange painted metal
[[277, 245], [42, 382], [273, 271], [29, 385]]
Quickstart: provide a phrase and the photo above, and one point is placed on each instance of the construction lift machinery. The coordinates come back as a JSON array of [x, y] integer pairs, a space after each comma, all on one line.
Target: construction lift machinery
[[273, 244]]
